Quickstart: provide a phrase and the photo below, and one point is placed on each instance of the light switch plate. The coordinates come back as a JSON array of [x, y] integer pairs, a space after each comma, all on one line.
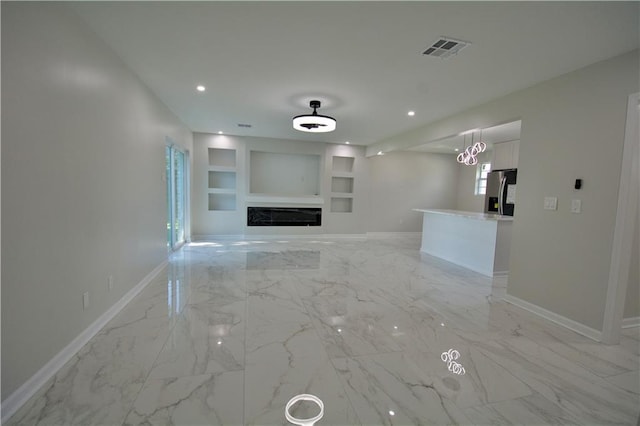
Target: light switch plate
[[576, 206], [550, 203]]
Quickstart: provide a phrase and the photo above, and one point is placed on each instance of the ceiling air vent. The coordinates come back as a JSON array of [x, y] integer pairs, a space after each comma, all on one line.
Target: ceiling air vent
[[445, 47], [244, 125]]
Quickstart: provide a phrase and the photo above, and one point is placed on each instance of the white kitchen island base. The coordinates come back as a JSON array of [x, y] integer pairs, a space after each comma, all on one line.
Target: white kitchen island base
[[477, 241]]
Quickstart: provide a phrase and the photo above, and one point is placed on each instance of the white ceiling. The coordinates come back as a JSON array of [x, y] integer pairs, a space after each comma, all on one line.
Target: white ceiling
[[262, 62], [453, 144]]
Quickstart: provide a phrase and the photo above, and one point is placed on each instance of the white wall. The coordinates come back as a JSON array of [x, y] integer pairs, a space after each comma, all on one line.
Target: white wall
[[632, 301], [209, 223], [83, 197], [284, 174], [466, 199], [572, 127], [402, 181], [385, 188]]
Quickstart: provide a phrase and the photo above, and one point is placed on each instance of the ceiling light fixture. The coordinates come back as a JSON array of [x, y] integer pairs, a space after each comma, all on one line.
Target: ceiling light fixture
[[314, 123], [220, 132], [347, 142], [469, 156], [201, 88], [411, 113]]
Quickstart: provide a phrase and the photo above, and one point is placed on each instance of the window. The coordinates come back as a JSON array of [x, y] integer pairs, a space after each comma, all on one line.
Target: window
[[176, 164], [481, 178]]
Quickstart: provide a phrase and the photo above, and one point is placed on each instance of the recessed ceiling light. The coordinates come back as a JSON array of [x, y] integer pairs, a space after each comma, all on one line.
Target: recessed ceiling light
[[347, 142], [200, 88], [380, 153], [392, 413], [220, 132], [411, 113], [456, 149]]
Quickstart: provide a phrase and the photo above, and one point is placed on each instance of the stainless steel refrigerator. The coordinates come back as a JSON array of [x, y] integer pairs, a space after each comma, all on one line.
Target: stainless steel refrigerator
[[501, 192]]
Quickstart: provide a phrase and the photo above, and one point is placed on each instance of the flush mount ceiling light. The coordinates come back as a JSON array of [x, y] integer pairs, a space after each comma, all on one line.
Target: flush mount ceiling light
[[314, 123]]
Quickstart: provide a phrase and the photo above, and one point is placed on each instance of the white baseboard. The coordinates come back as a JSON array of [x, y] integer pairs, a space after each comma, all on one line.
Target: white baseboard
[[556, 318], [393, 234], [14, 401], [249, 237], [244, 237], [209, 238], [631, 322]]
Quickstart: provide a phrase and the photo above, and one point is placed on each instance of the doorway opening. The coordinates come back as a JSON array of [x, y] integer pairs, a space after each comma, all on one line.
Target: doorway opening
[[625, 229]]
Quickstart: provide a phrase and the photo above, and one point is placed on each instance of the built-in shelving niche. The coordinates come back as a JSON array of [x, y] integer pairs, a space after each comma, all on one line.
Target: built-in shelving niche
[[222, 202], [342, 164], [222, 179], [342, 182], [341, 205], [222, 157]]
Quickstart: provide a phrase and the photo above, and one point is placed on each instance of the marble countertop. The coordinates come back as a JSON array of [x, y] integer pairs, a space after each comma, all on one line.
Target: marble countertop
[[470, 215]]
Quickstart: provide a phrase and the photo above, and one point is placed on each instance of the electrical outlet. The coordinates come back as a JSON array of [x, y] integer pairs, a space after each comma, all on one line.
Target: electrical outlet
[[85, 300], [550, 203], [110, 282]]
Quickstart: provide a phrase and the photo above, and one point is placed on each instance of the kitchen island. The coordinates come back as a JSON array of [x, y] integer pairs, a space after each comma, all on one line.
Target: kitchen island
[[477, 241]]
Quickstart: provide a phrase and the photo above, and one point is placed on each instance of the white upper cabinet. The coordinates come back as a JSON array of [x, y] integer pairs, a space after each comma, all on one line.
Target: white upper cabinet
[[505, 155]]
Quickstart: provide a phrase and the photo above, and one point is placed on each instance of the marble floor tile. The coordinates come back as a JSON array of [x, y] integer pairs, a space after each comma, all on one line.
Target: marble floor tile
[[207, 338], [390, 389], [528, 410], [230, 330], [99, 385], [209, 399], [586, 396], [286, 360], [629, 381]]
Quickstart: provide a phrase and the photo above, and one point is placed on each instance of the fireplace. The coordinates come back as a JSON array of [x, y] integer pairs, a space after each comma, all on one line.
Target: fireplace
[[283, 216]]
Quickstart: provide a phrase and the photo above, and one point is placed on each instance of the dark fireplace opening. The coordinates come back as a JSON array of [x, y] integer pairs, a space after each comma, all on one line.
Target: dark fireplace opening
[[284, 216]]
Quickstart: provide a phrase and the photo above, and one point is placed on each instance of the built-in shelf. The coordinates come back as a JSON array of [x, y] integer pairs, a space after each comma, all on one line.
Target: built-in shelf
[[276, 198], [222, 202], [342, 164], [341, 205], [221, 191], [342, 184], [222, 157], [222, 180], [342, 181]]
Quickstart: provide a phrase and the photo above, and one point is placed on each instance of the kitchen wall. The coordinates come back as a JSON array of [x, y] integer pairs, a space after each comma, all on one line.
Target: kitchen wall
[[572, 127], [466, 198], [402, 181], [632, 301], [83, 143]]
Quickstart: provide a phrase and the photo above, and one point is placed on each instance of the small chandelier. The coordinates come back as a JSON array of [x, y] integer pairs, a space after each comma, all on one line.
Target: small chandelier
[[469, 156], [314, 123]]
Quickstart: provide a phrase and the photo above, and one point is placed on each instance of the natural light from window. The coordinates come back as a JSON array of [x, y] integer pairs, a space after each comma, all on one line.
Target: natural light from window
[[482, 172]]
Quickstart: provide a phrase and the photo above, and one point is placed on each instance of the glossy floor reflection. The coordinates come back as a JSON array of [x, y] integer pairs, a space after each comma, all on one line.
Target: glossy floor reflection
[[230, 331]]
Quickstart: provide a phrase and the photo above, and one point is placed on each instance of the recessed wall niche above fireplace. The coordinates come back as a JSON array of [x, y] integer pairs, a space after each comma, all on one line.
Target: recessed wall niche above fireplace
[[284, 174], [284, 216]]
